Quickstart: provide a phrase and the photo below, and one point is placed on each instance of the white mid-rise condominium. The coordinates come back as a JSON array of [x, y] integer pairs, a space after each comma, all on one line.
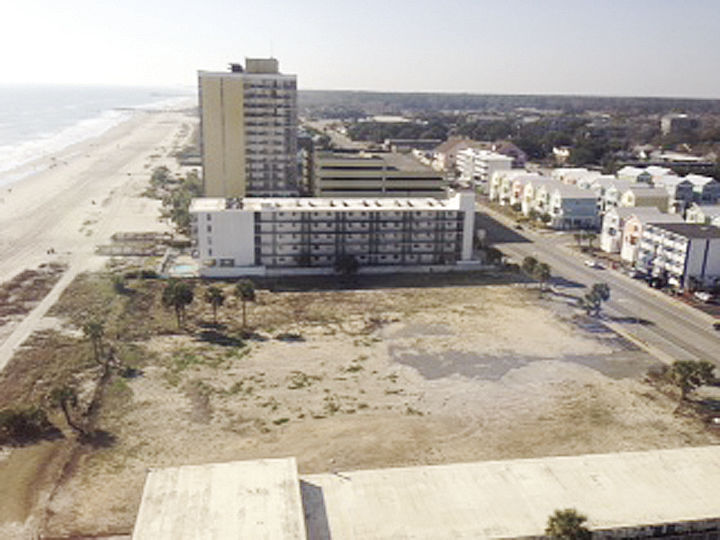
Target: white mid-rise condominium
[[239, 236], [248, 130]]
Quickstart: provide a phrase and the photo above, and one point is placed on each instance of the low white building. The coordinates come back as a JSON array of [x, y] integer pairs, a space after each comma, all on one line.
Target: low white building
[[680, 253], [477, 166], [236, 237]]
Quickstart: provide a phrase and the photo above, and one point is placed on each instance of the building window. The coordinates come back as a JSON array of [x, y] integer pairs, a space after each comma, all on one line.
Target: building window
[[209, 252], [227, 262], [209, 216], [209, 228]]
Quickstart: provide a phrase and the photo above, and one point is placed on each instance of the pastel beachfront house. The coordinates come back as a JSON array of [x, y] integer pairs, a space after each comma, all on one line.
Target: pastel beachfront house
[[646, 196], [680, 192], [705, 188], [535, 199], [571, 207]]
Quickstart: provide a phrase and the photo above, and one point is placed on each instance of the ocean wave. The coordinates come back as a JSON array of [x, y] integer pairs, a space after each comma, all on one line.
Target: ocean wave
[[16, 158], [16, 155]]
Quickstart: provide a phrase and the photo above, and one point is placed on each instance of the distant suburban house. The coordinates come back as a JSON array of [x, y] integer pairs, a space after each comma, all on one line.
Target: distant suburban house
[[634, 225], [634, 174], [646, 196], [705, 214], [507, 148], [681, 253], [572, 175]]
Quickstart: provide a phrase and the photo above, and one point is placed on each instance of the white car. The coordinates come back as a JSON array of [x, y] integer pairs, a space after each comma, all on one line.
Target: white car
[[594, 264]]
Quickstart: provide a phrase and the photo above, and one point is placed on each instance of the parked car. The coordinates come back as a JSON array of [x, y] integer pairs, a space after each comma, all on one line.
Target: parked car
[[594, 264], [703, 296], [716, 326]]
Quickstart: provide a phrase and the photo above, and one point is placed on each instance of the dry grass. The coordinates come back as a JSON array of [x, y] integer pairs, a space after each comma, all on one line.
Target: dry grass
[[339, 379]]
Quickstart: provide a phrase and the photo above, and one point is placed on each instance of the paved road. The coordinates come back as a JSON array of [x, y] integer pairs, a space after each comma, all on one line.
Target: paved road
[[339, 140], [672, 330]]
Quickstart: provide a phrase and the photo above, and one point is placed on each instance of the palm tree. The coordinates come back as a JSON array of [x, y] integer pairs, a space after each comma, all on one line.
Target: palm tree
[[94, 331], [578, 238], [593, 300], [66, 397], [542, 274], [567, 524], [529, 264], [215, 297], [590, 237], [245, 291], [689, 375], [177, 295]]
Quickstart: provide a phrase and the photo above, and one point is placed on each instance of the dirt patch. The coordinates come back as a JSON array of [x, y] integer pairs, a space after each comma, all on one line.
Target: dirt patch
[[347, 380]]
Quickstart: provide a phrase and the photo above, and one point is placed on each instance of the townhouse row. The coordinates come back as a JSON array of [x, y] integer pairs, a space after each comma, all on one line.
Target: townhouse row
[[565, 206], [577, 198]]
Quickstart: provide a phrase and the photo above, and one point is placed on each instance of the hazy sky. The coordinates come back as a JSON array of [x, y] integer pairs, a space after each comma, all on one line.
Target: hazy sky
[[606, 47]]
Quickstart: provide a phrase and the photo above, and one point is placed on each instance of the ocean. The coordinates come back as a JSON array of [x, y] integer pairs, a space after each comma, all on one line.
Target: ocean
[[36, 121]]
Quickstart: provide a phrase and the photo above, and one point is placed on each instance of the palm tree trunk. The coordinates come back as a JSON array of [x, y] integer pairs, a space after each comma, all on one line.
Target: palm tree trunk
[[244, 314], [73, 425]]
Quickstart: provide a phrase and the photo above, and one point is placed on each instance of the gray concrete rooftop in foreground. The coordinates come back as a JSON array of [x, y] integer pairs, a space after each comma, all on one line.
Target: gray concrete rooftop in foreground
[[625, 492], [244, 499]]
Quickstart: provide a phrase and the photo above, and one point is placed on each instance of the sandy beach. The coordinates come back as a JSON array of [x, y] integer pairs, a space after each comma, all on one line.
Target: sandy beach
[[87, 192]]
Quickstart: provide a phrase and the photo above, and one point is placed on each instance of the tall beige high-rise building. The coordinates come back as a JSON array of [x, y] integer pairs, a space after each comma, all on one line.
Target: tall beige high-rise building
[[248, 130]]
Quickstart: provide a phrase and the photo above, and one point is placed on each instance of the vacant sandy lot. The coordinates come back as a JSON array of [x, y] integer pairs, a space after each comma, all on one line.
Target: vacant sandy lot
[[346, 380]]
